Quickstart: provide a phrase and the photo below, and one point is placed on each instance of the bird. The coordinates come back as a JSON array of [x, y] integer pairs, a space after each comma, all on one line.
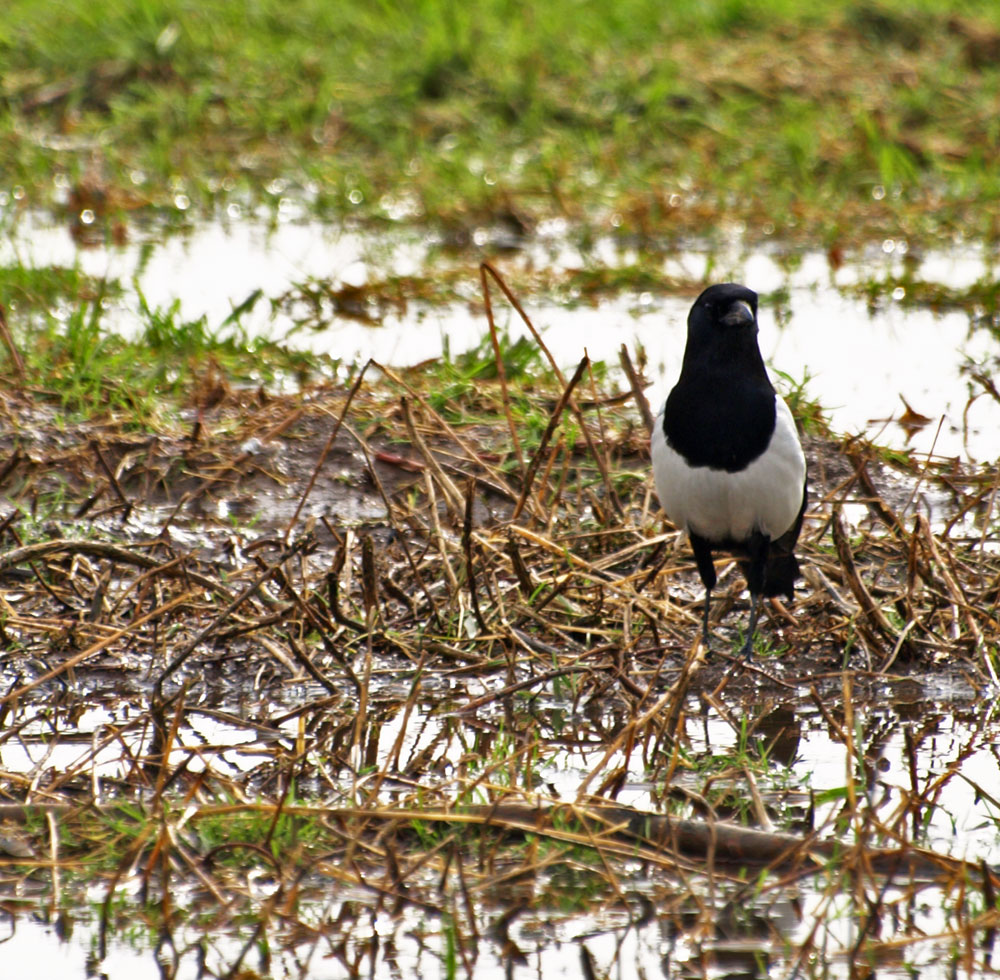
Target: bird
[[727, 462]]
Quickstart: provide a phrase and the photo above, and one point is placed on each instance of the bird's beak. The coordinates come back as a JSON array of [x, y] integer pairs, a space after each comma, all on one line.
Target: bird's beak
[[738, 315]]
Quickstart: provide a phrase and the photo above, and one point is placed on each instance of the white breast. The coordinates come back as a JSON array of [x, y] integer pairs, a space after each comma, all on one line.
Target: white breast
[[766, 496]]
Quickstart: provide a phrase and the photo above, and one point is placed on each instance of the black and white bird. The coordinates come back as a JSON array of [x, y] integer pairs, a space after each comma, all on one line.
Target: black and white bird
[[727, 460]]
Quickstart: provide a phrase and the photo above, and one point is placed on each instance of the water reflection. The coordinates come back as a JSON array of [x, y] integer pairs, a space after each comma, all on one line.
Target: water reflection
[[864, 365], [925, 767]]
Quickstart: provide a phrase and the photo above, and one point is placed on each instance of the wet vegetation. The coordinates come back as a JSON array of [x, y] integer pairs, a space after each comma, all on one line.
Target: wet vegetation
[[832, 126], [316, 666], [408, 656]]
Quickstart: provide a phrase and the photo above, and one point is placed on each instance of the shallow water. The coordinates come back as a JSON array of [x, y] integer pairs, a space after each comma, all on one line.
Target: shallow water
[[955, 751], [861, 364]]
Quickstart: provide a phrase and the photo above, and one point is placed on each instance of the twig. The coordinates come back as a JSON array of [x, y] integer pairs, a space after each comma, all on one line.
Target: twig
[[466, 448], [96, 648], [326, 449], [868, 605], [594, 450], [554, 418], [102, 549], [501, 370], [470, 572], [635, 383], [222, 617], [8, 341], [452, 497]]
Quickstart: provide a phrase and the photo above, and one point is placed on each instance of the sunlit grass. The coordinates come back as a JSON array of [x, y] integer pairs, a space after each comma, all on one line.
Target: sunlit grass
[[72, 354], [825, 124]]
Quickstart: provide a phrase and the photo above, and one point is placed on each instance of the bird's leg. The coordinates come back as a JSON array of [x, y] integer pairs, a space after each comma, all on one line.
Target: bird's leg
[[755, 602], [758, 546], [704, 619], [706, 569]]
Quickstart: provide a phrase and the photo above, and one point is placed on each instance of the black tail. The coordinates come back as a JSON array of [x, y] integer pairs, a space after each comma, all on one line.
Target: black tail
[[782, 571]]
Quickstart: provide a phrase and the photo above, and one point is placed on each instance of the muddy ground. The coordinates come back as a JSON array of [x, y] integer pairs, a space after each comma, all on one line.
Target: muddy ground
[[231, 489]]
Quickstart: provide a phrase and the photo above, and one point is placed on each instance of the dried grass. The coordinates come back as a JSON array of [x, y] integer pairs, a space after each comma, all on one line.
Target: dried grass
[[503, 605]]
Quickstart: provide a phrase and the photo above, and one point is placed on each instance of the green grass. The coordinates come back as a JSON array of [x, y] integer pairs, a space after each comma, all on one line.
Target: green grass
[[810, 414], [59, 323], [25, 288], [825, 123]]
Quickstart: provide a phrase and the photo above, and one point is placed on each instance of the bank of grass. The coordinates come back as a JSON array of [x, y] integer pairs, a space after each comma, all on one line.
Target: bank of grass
[[827, 124], [62, 347]]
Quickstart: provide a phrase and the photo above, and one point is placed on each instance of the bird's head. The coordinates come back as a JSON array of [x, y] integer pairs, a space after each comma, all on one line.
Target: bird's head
[[727, 304], [722, 328]]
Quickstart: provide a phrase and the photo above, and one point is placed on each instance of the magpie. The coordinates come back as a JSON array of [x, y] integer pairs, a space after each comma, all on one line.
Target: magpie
[[727, 461]]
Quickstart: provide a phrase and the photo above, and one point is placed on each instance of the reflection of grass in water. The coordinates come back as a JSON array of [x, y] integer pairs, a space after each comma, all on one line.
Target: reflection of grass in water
[[829, 125]]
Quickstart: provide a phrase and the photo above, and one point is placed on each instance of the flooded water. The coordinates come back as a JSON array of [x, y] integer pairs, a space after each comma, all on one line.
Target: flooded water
[[863, 365], [925, 765]]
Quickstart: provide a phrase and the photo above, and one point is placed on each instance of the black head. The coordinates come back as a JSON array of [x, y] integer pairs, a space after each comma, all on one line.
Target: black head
[[721, 412], [722, 325], [727, 304]]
